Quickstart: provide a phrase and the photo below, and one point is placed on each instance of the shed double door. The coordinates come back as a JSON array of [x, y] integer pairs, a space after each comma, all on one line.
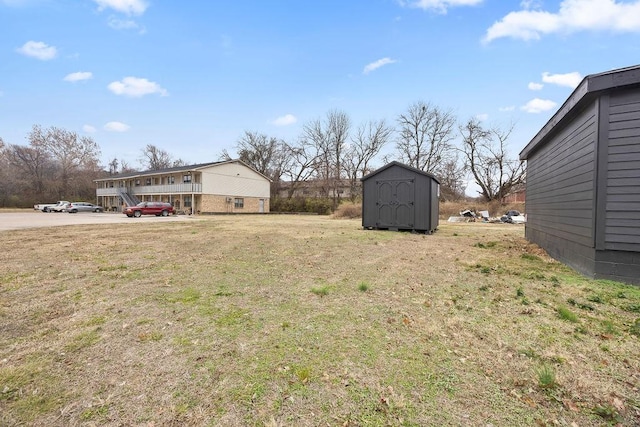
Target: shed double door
[[395, 203]]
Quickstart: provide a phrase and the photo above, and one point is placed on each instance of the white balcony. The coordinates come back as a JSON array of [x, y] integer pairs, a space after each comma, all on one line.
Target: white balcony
[[188, 188]]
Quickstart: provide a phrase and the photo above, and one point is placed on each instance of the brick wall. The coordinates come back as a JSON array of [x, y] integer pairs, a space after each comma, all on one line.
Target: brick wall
[[219, 204]]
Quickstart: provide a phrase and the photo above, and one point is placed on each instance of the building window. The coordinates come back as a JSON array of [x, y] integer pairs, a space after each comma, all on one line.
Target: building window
[[186, 179], [238, 203], [187, 201], [111, 184], [148, 181], [172, 180], [137, 182]]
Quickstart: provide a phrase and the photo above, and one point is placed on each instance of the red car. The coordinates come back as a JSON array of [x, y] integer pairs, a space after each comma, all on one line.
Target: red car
[[149, 208]]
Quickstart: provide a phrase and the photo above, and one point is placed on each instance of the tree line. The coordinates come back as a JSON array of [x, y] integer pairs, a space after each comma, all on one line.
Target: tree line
[[331, 152]]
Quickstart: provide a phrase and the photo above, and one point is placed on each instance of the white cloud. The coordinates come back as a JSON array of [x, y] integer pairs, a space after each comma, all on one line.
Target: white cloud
[[440, 6], [89, 129], [128, 7], [377, 64], [508, 108], [38, 50], [573, 16], [125, 24], [286, 120], [483, 117], [79, 76], [535, 86], [136, 87], [538, 105], [530, 4], [571, 80], [116, 127]]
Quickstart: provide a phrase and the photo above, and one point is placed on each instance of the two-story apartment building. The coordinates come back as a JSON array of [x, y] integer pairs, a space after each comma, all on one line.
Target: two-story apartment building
[[219, 187]]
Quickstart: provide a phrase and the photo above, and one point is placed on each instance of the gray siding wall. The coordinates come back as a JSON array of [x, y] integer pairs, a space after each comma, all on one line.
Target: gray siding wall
[[561, 188], [622, 230], [622, 266]]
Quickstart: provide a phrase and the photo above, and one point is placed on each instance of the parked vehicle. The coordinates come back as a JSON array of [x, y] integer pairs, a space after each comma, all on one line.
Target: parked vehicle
[[60, 207], [48, 207], [149, 208], [76, 207]]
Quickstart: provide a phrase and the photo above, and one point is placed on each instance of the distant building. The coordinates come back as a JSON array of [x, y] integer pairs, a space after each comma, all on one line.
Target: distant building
[[219, 187], [516, 195]]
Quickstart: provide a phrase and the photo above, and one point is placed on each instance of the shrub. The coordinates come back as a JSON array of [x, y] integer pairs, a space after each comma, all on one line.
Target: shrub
[[319, 206], [349, 210], [302, 205]]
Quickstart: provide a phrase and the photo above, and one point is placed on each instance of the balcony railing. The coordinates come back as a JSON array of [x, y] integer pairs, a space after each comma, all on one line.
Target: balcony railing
[[153, 189]]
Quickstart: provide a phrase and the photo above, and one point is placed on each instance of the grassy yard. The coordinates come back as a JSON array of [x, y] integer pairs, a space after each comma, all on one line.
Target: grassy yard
[[308, 321]]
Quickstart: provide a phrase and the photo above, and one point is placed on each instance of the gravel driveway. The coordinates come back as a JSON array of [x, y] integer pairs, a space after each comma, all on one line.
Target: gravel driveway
[[34, 219]]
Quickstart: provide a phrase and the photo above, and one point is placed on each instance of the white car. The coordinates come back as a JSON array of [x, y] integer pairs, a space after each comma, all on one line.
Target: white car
[[60, 207]]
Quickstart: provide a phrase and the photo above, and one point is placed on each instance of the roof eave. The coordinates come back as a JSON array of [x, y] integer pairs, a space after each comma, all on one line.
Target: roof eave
[[589, 88], [396, 163]]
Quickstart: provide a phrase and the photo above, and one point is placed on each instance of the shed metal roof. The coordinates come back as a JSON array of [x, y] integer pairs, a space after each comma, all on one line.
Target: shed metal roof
[[589, 88], [402, 165]]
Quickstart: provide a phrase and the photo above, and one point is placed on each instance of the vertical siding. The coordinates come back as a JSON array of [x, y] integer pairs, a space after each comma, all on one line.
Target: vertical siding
[[424, 200], [560, 184], [622, 231]]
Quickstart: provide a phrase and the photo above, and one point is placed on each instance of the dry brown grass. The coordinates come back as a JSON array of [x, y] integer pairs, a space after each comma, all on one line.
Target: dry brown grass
[[307, 320], [348, 210]]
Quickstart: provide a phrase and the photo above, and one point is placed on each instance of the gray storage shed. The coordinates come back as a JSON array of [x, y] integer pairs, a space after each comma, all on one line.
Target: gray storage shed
[[400, 197], [583, 178]]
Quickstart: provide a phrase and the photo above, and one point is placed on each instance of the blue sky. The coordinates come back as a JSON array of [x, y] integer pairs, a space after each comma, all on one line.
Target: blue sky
[[191, 76]]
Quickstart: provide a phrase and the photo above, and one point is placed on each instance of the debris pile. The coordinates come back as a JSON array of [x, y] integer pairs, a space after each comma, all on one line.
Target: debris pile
[[469, 215]]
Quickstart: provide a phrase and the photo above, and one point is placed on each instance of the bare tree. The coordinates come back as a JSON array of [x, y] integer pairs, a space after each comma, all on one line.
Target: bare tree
[[452, 183], [487, 160], [33, 165], [154, 158], [8, 184], [329, 137], [267, 155], [117, 166], [366, 144], [258, 151], [4, 176], [125, 168], [300, 166], [74, 155], [113, 166], [426, 132]]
